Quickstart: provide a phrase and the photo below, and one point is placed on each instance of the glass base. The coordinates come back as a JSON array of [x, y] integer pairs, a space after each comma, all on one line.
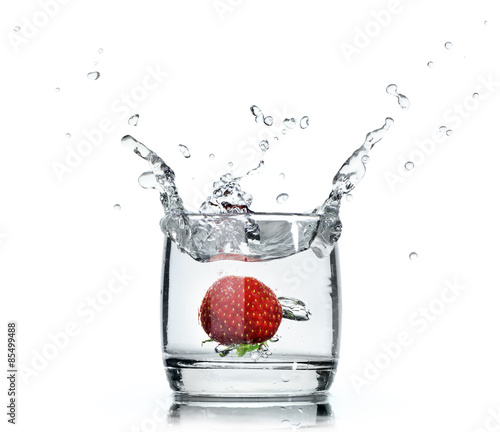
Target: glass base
[[196, 378]]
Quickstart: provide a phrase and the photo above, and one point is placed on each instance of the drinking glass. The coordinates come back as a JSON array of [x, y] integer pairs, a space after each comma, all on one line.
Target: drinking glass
[[301, 358]]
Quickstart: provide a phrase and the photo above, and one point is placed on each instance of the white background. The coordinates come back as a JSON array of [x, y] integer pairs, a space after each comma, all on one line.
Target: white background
[[60, 239]]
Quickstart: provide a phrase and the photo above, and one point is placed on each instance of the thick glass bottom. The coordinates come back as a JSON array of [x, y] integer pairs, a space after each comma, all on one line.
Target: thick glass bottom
[[243, 379]]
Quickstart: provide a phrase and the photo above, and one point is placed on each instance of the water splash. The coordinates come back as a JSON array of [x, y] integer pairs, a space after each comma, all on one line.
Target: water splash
[[133, 120], [403, 101], [93, 75], [346, 179], [248, 234]]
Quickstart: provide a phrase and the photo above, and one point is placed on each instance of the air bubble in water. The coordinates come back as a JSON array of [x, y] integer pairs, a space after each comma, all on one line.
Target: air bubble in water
[[132, 121], [365, 159], [211, 156], [449, 132], [93, 75], [184, 150], [289, 123], [17, 28], [117, 207], [68, 135], [403, 101], [443, 129], [285, 377], [349, 197], [257, 113], [413, 256], [268, 120], [294, 309], [409, 165], [430, 64], [100, 50], [448, 45], [255, 355], [282, 176], [281, 198], [264, 145], [475, 95], [304, 122]]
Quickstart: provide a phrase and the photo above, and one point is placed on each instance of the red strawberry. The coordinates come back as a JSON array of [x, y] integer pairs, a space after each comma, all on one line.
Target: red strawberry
[[240, 310]]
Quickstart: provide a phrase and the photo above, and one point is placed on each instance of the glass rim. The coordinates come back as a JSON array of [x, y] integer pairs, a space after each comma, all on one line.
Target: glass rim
[[263, 215]]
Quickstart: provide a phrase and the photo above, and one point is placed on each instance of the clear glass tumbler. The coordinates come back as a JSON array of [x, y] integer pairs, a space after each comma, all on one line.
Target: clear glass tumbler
[[277, 271]]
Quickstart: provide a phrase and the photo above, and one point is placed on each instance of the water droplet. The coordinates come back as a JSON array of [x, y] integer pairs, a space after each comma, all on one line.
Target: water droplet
[[403, 101], [117, 207], [58, 89], [268, 121], [283, 131], [289, 123], [100, 50], [68, 135], [486, 23], [349, 197], [449, 132], [230, 165], [430, 64], [281, 198], [282, 176], [365, 159], [413, 256], [448, 45], [93, 75], [211, 156], [304, 122], [285, 377], [184, 150], [443, 129], [475, 95], [294, 366], [17, 28], [257, 113], [264, 145], [96, 63], [409, 165], [132, 121]]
